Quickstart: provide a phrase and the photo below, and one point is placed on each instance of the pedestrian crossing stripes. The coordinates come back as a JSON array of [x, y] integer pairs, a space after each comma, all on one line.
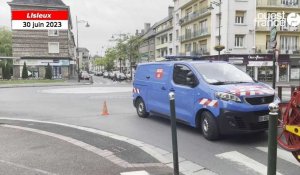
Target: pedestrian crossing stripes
[[135, 173], [283, 154], [245, 161]]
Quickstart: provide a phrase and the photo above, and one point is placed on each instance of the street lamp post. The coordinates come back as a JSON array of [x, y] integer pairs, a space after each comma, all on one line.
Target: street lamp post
[[211, 8], [77, 54]]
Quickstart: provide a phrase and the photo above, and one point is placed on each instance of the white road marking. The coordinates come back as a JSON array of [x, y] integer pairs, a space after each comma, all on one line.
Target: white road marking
[[150, 149], [283, 154], [87, 90], [245, 161], [135, 173], [26, 167]]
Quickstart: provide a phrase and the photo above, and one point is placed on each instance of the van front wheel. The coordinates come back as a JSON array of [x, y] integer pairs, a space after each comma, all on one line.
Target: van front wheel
[[141, 108], [209, 126]]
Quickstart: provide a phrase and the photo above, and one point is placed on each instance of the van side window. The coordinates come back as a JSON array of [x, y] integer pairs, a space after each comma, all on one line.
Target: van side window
[[180, 74]]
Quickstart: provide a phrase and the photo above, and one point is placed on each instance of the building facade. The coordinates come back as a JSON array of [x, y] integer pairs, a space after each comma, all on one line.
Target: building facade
[[147, 47], [164, 36], [39, 47], [84, 59]]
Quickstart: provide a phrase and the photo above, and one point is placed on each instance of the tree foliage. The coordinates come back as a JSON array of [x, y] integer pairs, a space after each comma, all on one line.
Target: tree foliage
[[5, 42], [48, 74], [24, 71], [126, 48]]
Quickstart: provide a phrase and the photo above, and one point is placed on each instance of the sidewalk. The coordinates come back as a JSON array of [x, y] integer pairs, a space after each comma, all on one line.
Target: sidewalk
[[71, 82], [57, 148]]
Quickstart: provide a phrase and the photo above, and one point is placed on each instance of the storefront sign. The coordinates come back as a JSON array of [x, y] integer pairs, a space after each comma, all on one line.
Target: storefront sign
[[260, 63], [42, 62], [236, 60], [40, 19]]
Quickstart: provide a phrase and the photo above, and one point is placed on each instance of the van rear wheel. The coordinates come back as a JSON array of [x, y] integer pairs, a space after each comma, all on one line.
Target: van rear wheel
[[141, 108], [209, 126]]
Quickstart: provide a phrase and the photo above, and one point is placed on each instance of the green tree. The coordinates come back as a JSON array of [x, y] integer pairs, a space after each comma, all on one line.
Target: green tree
[[7, 71], [24, 71], [48, 74], [5, 42]]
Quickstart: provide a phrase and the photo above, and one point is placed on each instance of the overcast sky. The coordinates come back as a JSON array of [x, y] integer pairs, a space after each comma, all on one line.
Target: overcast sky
[[106, 17]]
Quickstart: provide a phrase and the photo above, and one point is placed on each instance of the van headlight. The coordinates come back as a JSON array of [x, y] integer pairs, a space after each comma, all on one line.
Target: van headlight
[[227, 97]]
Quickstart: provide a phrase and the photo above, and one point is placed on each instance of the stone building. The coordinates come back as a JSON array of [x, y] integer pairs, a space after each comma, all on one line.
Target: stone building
[[39, 47]]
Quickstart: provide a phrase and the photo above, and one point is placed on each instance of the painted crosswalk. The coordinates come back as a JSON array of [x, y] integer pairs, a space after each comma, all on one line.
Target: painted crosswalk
[[251, 166], [135, 173], [283, 154]]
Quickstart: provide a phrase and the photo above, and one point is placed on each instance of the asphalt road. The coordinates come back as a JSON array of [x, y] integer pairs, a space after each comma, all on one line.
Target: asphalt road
[[243, 155]]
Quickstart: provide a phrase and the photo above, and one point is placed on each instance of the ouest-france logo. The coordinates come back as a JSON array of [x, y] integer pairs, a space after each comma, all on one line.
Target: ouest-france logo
[[279, 19]]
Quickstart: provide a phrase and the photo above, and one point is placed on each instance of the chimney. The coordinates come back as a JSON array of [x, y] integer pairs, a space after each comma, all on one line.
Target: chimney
[[170, 10], [147, 27], [136, 32], [142, 32]]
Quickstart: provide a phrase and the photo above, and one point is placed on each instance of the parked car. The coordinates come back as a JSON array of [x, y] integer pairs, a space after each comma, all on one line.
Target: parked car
[[121, 76], [105, 75], [85, 75], [214, 96]]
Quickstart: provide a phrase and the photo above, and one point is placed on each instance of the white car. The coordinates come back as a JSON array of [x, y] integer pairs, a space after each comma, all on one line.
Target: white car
[[85, 75]]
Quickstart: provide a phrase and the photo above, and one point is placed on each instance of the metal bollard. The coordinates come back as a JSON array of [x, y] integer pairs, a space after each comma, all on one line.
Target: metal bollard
[[272, 141], [174, 133]]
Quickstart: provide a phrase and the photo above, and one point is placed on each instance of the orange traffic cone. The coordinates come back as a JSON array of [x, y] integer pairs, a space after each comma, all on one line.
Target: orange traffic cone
[[104, 110]]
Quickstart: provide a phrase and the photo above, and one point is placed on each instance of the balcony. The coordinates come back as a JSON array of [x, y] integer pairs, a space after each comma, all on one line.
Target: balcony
[[194, 35], [193, 16], [293, 50], [280, 29], [278, 3]]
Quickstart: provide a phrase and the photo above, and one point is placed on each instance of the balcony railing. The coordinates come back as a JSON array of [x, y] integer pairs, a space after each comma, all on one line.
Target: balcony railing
[[193, 15], [278, 3], [261, 49], [283, 29], [194, 35]]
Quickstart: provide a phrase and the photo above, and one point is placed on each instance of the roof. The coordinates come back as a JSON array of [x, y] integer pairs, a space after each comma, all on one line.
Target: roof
[[83, 49], [38, 2], [162, 21]]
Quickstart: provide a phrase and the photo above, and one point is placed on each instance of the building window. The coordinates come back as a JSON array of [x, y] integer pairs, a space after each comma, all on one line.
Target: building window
[[177, 35], [288, 44], [170, 37], [180, 73], [53, 47], [53, 32], [289, 2], [177, 50], [239, 40], [170, 51], [239, 17], [203, 26], [188, 47]]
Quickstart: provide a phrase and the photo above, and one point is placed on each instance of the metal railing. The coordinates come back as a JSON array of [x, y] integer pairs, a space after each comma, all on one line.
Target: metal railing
[[278, 3], [261, 49], [193, 15], [282, 29], [193, 35]]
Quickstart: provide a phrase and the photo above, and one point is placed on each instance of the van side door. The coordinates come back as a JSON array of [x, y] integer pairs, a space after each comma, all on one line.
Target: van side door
[[184, 85], [159, 89]]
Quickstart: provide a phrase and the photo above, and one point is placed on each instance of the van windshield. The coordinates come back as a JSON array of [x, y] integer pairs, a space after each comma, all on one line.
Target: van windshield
[[222, 73]]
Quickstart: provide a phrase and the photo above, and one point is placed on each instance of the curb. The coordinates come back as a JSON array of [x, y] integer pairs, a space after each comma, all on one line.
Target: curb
[[186, 167], [42, 85]]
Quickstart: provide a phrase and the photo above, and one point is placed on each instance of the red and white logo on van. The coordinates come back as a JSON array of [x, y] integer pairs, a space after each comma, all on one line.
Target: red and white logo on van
[[159, 73], [208, 102]]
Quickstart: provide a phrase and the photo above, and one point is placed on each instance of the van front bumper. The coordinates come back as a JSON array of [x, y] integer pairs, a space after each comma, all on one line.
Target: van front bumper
[[232, 122]]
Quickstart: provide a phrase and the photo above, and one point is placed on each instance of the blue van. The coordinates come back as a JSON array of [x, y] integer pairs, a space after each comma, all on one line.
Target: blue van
[[212, 95]]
